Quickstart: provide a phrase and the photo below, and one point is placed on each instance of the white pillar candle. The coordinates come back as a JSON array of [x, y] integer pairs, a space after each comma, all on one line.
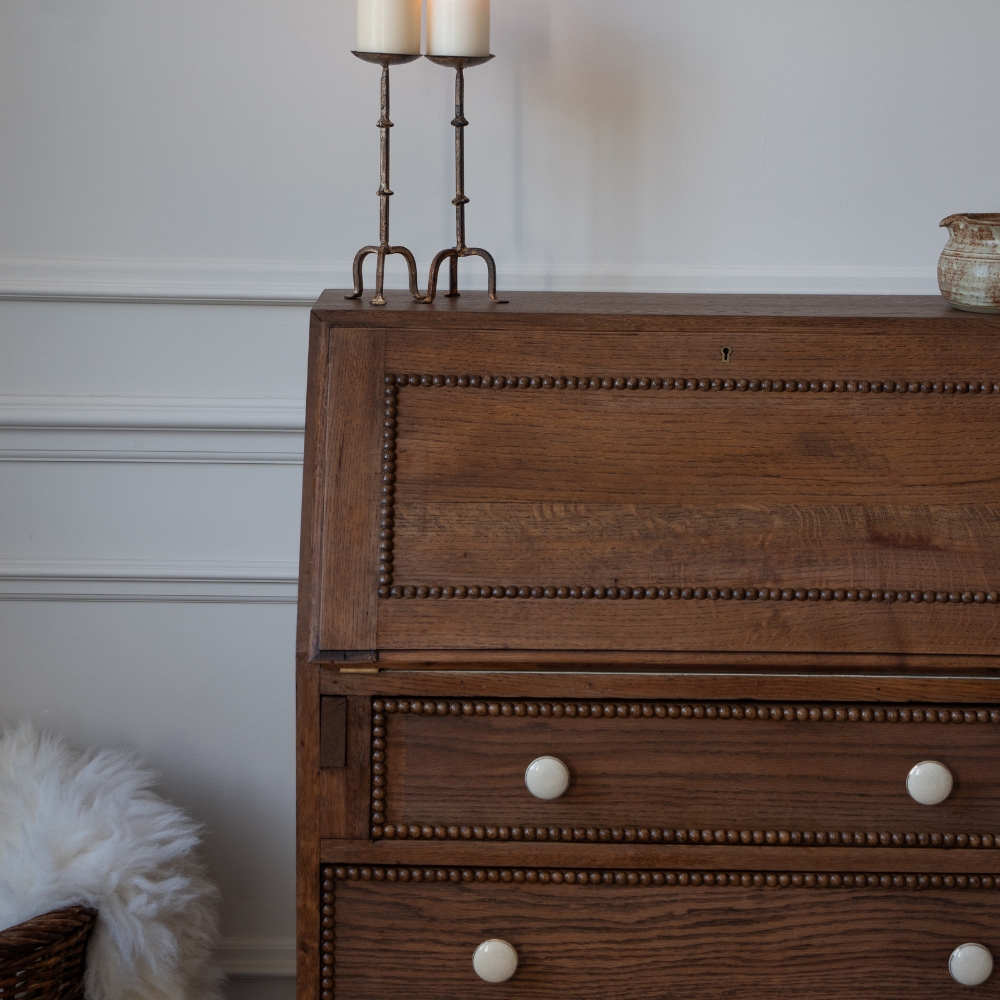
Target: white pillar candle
[[458, 27], [389, 26]]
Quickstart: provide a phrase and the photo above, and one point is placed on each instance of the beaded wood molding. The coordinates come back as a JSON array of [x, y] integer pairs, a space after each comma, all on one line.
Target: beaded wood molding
[[659, 835], [382, 707], [387, 589], [386, 500], [633, 878], [684, 710], [327, 931], [945, 387]]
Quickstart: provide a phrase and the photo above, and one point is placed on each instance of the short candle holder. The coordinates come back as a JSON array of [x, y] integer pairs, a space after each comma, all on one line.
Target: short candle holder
[[383, 250], [459, 64]]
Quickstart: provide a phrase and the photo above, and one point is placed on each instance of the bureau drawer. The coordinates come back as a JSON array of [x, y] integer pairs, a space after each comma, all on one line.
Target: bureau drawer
[[676, 772], [626, 935]]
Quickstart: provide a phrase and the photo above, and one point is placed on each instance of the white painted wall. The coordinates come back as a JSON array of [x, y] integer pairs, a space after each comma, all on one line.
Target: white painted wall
[[754, 143], [150, 478], [167, 168]]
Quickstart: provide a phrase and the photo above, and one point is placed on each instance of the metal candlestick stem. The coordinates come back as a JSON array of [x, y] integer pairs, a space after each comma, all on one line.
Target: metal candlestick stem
[[383, 250], [459, 64]]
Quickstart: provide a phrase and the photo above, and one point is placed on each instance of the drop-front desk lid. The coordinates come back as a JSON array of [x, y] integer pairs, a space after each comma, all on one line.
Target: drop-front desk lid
[[653, 479]]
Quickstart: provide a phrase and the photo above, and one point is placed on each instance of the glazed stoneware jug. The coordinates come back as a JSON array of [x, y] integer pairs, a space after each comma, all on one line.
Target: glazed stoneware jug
[[969, 268]]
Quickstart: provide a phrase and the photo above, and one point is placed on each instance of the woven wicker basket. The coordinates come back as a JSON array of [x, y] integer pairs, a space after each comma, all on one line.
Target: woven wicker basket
[[44, 958]]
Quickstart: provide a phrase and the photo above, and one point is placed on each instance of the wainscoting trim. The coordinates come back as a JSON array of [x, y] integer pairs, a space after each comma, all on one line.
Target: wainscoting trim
[[215, 430], [298, 283], [237, 582]]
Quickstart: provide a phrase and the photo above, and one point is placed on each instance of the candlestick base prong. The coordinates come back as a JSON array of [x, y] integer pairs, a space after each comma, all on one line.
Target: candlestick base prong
[[454, 253], [383, 250], [381, 253]]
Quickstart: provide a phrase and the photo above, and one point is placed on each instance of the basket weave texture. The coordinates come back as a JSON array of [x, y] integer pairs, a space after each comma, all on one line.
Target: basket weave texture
[[44, 958]]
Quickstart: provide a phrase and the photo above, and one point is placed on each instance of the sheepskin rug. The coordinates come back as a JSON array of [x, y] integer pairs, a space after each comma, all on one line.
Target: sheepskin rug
[[86, 828]]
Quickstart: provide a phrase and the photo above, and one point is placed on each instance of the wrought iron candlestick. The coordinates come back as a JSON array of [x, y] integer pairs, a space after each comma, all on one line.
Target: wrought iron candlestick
[[459, 64], [383, 250]]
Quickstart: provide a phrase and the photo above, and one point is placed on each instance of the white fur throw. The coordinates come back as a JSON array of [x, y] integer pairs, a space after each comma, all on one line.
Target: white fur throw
[[85, 828]]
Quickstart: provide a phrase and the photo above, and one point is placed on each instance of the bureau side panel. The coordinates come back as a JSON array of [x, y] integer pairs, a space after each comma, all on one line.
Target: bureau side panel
[[348, 478]]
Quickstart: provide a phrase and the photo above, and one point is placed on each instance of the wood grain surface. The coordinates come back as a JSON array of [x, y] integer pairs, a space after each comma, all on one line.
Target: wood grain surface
[[760, 688], [347, 485], [307, 826], [630, 309], [710, 626], [754, 661], [722, 449], [621, 943], [307, 621], [938, 547], [825, 485], [357, 795], [690, 773], [848, 448], [491, 854], [693, 489], [690, 347], [333, 732]]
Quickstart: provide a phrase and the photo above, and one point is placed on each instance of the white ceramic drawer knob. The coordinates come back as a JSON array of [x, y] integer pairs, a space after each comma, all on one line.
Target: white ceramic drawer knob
[[547, 777], [929, 783], [496, 961], [970, 964]]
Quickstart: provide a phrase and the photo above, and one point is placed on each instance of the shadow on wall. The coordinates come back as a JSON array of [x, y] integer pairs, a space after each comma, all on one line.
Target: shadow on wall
[[593, 112]]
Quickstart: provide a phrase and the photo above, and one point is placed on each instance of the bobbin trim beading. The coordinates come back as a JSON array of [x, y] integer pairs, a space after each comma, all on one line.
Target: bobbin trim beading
[[378, 769], [586, 708], [660, 835], [386, 513], [327, 920], [387, 590], [925, 386], [863, 595], [589, 877], [382, 707]]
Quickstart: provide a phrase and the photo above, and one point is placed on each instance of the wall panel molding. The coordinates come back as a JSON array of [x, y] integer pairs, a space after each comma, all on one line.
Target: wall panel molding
[[215, 430], [286, 283], [149, 580], [298, 283]]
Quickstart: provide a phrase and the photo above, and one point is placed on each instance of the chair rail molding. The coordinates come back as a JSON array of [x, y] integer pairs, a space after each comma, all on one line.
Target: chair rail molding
[[298, 283], [215, 430], [149, 580], [227, 282]]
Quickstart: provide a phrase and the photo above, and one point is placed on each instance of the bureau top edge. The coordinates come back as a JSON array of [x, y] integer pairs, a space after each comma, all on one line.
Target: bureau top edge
[[617, 310]]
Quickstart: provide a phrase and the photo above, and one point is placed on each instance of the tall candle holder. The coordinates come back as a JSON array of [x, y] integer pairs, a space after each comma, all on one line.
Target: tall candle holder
[[459, 64], [383, 250]]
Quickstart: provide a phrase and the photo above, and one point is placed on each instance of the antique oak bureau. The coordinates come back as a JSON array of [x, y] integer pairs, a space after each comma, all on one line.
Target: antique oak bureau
[[648, 647]]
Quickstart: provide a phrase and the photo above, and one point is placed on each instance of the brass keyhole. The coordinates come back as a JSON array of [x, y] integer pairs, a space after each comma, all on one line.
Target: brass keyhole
[[727, 353]]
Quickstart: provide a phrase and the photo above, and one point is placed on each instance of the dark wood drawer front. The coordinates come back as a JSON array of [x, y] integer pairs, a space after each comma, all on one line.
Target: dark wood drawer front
[[618, 941], [764, 774]]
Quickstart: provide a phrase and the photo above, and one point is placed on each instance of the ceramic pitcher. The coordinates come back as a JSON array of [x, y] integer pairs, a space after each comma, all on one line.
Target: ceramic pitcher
[[969, 268]]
